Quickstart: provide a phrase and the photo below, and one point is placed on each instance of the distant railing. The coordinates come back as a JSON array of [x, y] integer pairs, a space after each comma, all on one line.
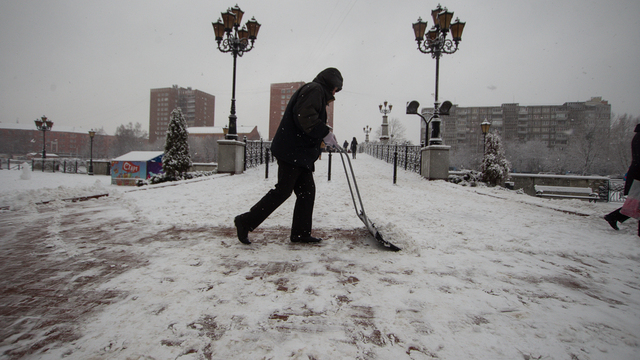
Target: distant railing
[[72, 166], [66, 165], [257, 152], [408, 157], [10, 164]]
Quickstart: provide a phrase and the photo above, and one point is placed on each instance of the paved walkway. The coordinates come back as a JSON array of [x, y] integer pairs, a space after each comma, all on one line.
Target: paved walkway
[[49, 286], [44, 292]]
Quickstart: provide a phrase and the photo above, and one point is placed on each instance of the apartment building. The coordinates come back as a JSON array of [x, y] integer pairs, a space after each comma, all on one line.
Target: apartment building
[[554, 125], [197, 106]]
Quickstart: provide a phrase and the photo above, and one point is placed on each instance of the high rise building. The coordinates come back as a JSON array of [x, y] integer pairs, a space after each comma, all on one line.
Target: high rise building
[[197, 106], [554, 125], [280, 96]]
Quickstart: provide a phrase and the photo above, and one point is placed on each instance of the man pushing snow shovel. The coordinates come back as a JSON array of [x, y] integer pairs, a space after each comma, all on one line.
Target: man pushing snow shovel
[[296, 146]]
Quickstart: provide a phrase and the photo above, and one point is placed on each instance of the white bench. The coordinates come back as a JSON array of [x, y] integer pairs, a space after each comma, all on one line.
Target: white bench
[[566, 192]]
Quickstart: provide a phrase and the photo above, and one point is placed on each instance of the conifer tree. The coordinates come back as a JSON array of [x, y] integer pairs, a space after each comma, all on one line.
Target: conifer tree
[[176, 160], [495, 166]]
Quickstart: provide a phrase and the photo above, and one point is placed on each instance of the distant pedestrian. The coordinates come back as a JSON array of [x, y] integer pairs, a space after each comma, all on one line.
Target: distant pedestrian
[[296, 146], [632, 174], [345, 145], [354, 147]]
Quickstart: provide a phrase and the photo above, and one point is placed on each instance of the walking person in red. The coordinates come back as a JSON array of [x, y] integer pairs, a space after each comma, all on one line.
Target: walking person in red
[[632, 174], [296, 146]]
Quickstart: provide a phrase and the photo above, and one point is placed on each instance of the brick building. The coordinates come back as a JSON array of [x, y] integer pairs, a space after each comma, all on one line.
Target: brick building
[[18, 140], [279, 98], [197, 106]]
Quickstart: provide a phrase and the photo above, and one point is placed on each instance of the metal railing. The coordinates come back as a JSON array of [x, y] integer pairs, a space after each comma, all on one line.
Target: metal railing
[[257, 152], [66, 165], [72, 166], [408, 157]]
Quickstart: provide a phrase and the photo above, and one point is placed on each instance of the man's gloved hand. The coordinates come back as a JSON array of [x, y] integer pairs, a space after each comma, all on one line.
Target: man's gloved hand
[[330, 141]]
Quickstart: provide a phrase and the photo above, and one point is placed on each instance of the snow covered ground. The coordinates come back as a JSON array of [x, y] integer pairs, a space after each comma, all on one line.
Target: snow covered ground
[[484, 273]]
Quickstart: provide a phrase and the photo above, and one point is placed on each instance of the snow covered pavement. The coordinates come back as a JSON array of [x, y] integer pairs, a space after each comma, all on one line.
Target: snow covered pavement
[[484, 273]]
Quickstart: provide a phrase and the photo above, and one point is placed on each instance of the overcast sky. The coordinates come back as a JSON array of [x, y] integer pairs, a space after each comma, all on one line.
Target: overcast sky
[[92, 63]]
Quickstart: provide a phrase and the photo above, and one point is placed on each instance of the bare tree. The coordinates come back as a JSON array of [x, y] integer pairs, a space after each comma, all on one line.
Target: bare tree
[[528, 157], [129, 138], [620, 142], [588, 145], [397, 131]]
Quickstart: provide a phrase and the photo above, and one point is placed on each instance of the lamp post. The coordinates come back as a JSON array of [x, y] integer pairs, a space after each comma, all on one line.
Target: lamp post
[[485, 130], [236, 41], [366, 130], [385, 124], [43, 124], [436, 43], [92, 133]]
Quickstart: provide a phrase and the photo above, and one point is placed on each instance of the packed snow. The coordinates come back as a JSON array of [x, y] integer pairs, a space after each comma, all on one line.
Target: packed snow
[[484, 273]]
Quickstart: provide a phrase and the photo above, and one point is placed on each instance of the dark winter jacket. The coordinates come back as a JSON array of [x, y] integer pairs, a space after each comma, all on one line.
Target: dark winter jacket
[[354, 145], [634, 169], [304, 124]]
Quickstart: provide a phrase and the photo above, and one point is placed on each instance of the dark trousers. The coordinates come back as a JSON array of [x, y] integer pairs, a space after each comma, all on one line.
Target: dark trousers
[[294, 179]]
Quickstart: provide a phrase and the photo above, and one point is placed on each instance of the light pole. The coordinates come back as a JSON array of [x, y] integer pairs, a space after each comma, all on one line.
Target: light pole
[[436, 44], [92, 133], [485, 130], [43, 124], [366, 130], [237, 42], [385, 124]]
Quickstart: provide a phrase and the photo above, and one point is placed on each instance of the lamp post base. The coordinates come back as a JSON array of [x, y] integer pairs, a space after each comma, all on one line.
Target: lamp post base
[[435, 162], [231, 156]]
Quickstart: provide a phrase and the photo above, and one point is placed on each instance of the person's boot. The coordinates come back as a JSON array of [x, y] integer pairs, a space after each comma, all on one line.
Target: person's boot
[[305, 239], [613, 222], [242, 229]]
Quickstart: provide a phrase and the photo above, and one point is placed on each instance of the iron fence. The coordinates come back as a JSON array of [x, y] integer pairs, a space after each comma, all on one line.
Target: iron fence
[[408, 157], [257, 152], [66, 165]]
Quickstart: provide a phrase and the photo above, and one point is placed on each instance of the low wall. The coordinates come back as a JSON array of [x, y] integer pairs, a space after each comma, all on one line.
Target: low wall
[[526, 182], [203, 167]]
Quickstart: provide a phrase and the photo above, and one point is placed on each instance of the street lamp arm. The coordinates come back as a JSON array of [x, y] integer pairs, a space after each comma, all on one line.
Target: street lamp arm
[[235, 45], [438, 46]]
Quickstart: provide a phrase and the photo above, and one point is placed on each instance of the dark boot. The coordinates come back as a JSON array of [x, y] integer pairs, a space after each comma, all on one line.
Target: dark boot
[[613, 222], [243, 229], [305, 239]]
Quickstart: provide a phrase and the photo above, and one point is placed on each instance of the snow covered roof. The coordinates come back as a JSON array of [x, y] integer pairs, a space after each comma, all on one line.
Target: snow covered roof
[[139, 156], [209, 130], [56, 128]]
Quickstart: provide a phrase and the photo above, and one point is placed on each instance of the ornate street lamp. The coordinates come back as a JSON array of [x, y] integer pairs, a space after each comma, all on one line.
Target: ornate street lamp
[[92, 133], [436, 43], [231, 38], [385, 124], [43, 124], [366, 130], [485, 130]]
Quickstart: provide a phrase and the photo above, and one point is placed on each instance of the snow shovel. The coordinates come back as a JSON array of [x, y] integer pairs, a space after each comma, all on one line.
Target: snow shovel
[[360, 211]]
